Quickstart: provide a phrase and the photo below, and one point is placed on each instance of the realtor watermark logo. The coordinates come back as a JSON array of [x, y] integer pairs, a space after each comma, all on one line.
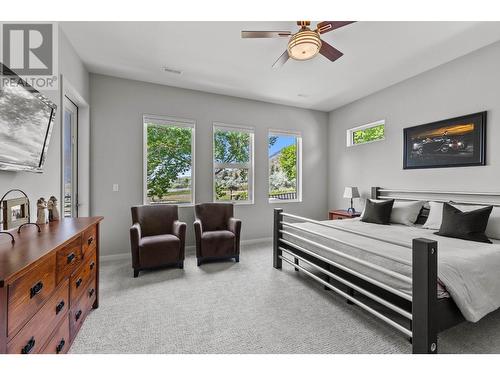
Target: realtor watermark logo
[[30, 51]]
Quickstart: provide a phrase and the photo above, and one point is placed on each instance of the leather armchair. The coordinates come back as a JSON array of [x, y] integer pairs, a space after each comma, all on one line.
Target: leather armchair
[[157, 237], [217, 232]]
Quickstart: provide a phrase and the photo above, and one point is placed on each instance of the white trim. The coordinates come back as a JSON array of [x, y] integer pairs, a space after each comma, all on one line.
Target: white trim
[[298, 135], [250, 165], [167, 121], [284, 132], [233, 127], [351, 131]]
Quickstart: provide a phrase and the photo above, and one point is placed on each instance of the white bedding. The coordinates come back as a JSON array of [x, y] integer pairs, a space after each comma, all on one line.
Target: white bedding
[[470, 271]]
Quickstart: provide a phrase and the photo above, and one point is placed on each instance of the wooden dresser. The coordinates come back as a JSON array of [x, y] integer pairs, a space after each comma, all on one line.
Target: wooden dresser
[[49, 282]]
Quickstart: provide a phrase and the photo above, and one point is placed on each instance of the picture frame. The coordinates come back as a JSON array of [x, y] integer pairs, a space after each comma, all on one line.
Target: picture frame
[[454, 142], [15, 213]]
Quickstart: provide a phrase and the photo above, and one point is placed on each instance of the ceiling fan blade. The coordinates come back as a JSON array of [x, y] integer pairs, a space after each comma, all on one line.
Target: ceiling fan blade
[[330, 52], [281, 60], [326, 26], [265, 34]]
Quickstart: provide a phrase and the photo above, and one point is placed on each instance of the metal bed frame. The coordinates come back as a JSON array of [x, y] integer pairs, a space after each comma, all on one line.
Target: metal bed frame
[[425, 314]]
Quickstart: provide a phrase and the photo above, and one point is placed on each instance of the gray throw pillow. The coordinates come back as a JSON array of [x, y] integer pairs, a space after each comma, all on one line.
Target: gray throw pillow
[[377, 212]]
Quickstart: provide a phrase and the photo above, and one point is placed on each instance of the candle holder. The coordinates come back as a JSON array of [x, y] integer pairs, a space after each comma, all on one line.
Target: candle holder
[[29, 214]]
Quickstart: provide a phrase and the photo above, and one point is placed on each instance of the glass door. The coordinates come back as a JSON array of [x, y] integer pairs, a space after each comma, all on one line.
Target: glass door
[[70, 159]]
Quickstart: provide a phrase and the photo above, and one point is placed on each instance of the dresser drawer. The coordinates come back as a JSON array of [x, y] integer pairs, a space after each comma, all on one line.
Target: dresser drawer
[[81, 308], [33, 336], [60, 340], [28, 292], [82, 276], [89, 240], [69, 258]]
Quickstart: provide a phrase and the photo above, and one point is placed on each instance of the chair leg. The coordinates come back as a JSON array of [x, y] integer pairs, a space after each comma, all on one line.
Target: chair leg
[[181, 265], [237, 259], [136, 273]]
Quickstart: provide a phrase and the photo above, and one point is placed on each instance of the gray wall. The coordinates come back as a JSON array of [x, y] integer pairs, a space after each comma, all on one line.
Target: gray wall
[[466, 85], [117, 106], [49, 182]]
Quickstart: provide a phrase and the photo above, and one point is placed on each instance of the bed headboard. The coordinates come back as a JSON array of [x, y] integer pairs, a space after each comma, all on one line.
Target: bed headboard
[[461, 197]]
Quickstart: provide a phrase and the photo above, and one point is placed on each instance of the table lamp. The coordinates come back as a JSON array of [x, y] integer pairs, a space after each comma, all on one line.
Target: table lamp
[[351, 192]]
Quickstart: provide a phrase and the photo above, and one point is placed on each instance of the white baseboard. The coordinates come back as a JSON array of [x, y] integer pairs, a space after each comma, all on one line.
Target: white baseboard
[[189, 249]]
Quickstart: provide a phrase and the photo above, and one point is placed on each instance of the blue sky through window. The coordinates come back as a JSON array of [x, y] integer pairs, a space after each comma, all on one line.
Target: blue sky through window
[[281, 142]]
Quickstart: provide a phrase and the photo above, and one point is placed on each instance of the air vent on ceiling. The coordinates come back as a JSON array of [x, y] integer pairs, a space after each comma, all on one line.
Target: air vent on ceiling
[[170, 70]]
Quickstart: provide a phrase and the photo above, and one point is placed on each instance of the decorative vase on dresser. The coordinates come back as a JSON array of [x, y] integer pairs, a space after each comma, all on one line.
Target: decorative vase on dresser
[[49, 282]]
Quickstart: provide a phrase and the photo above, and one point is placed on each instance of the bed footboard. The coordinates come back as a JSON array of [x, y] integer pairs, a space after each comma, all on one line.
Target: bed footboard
[[423, 319]]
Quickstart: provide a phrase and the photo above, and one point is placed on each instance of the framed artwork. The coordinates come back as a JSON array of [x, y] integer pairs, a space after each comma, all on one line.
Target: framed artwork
[[15, 212], [455, 142]]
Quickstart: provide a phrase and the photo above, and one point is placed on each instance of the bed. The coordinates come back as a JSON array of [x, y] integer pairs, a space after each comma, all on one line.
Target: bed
[[397, 267]]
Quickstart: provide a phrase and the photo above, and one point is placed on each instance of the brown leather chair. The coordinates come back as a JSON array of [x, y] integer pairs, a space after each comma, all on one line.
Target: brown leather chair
[[157, 237], [217, 232]]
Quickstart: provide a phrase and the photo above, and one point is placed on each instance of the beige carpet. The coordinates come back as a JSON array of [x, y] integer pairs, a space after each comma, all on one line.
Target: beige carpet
[[246, 307]]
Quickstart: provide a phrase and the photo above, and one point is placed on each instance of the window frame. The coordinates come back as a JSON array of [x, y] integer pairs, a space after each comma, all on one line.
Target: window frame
[[350, 133], [173, 122], [250, 165], [298, 135]]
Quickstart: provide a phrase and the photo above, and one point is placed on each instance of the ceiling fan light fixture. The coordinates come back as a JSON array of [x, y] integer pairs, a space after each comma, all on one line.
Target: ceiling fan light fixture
[[304, 45]]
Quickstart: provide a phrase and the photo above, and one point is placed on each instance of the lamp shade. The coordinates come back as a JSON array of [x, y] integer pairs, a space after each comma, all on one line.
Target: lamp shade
[[351, 192]]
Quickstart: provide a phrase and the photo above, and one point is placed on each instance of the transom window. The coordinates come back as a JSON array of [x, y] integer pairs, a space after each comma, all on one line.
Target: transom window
[[368, 133], [233, 163], [285, 158], [168, 160]]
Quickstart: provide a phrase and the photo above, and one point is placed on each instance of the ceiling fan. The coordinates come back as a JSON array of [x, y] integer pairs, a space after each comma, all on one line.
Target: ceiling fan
[[305, 43]]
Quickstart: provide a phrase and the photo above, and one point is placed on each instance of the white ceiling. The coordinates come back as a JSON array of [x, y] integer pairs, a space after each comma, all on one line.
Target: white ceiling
[[214, 58]]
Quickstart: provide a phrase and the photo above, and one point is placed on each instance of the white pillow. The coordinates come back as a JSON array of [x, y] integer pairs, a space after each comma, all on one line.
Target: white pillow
[[436, 217], [406, 212], [402, 212]]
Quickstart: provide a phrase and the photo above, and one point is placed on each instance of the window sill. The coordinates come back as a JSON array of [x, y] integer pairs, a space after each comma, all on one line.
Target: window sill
[[278, 201], [180, 205], [236, 203], [365, 143]]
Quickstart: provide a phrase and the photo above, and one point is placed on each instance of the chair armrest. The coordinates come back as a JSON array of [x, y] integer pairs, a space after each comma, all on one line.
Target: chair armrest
[[179, 229], [198, 230], [234, 225], [135, 237], [198, 227]]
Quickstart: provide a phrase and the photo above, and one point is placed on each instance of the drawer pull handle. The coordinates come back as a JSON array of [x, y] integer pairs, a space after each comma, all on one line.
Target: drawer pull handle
[[78, 315], [91, 292], [71, 257], [90, 240], [59, 307], [36, 289], [60, 346], [78, 282], [92, 265], [29, 346]]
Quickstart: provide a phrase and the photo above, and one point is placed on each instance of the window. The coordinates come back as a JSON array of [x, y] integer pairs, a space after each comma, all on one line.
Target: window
[[168, 160], [70, 158], [372, 132], [233, 163], [285, 154]]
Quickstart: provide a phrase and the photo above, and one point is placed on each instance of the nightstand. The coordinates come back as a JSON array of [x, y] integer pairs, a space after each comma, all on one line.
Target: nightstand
[[342, 214]]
